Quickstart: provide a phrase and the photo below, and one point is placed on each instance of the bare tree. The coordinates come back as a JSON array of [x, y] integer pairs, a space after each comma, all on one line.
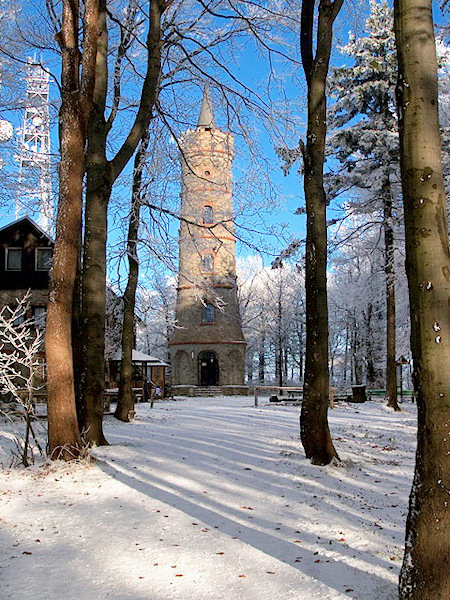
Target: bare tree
[[315, 434], [101, 175], [77, 86], [20, 343], [126, 401]]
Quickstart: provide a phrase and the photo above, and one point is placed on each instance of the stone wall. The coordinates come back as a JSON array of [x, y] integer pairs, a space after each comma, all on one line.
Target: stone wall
[[185, 369], [37, 298]]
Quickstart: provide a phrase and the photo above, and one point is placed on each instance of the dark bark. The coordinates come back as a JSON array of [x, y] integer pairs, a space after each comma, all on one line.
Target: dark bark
[[301, 350], [346, 352], [425, 573], [125, 403], [250, 365], [314, 430], [262, 362], [356, 353], [391, 374], [77, 84], [371, 370], [77, 336], [279, 336], [101, 175]]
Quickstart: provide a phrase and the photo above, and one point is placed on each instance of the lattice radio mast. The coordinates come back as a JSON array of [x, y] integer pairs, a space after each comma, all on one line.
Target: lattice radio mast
[[35, 190]]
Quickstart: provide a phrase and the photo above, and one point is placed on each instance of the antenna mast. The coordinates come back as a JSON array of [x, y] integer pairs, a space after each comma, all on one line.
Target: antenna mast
[[35, 190]]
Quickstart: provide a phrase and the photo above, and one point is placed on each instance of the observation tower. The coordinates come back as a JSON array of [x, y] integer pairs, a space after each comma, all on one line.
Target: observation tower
[[207, 346]]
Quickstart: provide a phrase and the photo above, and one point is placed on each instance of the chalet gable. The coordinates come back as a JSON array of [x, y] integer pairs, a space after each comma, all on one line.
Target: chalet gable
[[25, 255]]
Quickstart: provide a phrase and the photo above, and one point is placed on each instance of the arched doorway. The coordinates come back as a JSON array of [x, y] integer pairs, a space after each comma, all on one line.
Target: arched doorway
[[208, 368]]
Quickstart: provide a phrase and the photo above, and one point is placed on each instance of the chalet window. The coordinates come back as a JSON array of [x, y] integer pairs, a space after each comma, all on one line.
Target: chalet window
[[41, 367], [13, 259], [208, 215], [39, 314], [208, 313], [207, 263], [43, 259], [20, 316]]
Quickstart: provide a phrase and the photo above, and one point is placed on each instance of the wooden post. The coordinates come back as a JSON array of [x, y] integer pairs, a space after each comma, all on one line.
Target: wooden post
[[332, 390], [256, 396], [152, 395]]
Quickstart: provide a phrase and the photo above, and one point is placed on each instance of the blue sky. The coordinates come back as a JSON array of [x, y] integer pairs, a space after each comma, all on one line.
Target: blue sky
[[277, 208]]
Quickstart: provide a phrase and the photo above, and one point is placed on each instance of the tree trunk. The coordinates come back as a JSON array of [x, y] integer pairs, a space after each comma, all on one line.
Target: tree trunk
[[391, 373], [125, 403], [77, 334], [279, 337], [262, 360], [76, 98], [101, 175], [98, 189], [250, 354], [425, 574], [346, 352], [301, 351], [314, 430], [370, 359], [356, 354], [94, 302]]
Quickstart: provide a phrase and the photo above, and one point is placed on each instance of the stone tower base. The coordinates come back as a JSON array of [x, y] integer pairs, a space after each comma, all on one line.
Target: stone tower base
[[217, 365]]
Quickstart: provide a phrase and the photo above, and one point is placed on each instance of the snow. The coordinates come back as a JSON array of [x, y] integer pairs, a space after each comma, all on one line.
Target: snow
[[213, 498], [138, 356]]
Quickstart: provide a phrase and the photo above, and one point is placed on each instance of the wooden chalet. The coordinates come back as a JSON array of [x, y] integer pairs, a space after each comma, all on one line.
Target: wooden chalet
[[25, 260]]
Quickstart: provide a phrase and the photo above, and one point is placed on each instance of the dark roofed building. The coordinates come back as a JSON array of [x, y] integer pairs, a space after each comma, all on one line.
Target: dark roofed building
[[25, 261]]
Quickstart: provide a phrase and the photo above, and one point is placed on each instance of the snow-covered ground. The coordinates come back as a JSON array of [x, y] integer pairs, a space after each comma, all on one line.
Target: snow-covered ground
[[213, 499]]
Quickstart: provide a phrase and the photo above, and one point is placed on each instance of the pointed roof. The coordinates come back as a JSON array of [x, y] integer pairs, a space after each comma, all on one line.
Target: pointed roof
[[206, 116], [33, 225]]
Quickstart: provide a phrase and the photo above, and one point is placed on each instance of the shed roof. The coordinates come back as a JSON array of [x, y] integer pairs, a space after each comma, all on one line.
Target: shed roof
[[138, 356]]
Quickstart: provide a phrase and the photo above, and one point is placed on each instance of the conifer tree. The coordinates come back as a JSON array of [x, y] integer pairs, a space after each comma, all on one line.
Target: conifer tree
[[368, 147]]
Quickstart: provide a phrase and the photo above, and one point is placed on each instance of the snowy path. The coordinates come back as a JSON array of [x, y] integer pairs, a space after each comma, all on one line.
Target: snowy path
[[212, 498]]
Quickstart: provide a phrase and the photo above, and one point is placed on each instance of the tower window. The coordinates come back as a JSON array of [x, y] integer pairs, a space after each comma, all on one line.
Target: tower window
[[208, 215], [208, 313], [207, 263], [13, 259]]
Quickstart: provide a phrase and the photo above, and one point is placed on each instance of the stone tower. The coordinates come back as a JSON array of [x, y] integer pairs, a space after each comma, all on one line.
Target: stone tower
[[207, 347]]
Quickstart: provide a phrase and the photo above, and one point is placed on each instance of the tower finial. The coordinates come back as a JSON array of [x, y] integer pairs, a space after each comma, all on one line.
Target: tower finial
[[206, 116]]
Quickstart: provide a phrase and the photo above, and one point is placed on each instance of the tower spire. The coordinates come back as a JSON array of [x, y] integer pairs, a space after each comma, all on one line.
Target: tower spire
[[206, 116]]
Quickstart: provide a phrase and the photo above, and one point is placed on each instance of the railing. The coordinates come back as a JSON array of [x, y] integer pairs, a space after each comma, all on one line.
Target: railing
[[290, 390], [276, 387]]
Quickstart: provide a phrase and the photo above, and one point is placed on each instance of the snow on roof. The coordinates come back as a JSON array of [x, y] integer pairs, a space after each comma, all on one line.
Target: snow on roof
[[33, 223], [138, 356]]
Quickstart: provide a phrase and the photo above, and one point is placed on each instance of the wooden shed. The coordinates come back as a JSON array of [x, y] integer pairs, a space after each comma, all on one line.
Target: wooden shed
[[147, 370]]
